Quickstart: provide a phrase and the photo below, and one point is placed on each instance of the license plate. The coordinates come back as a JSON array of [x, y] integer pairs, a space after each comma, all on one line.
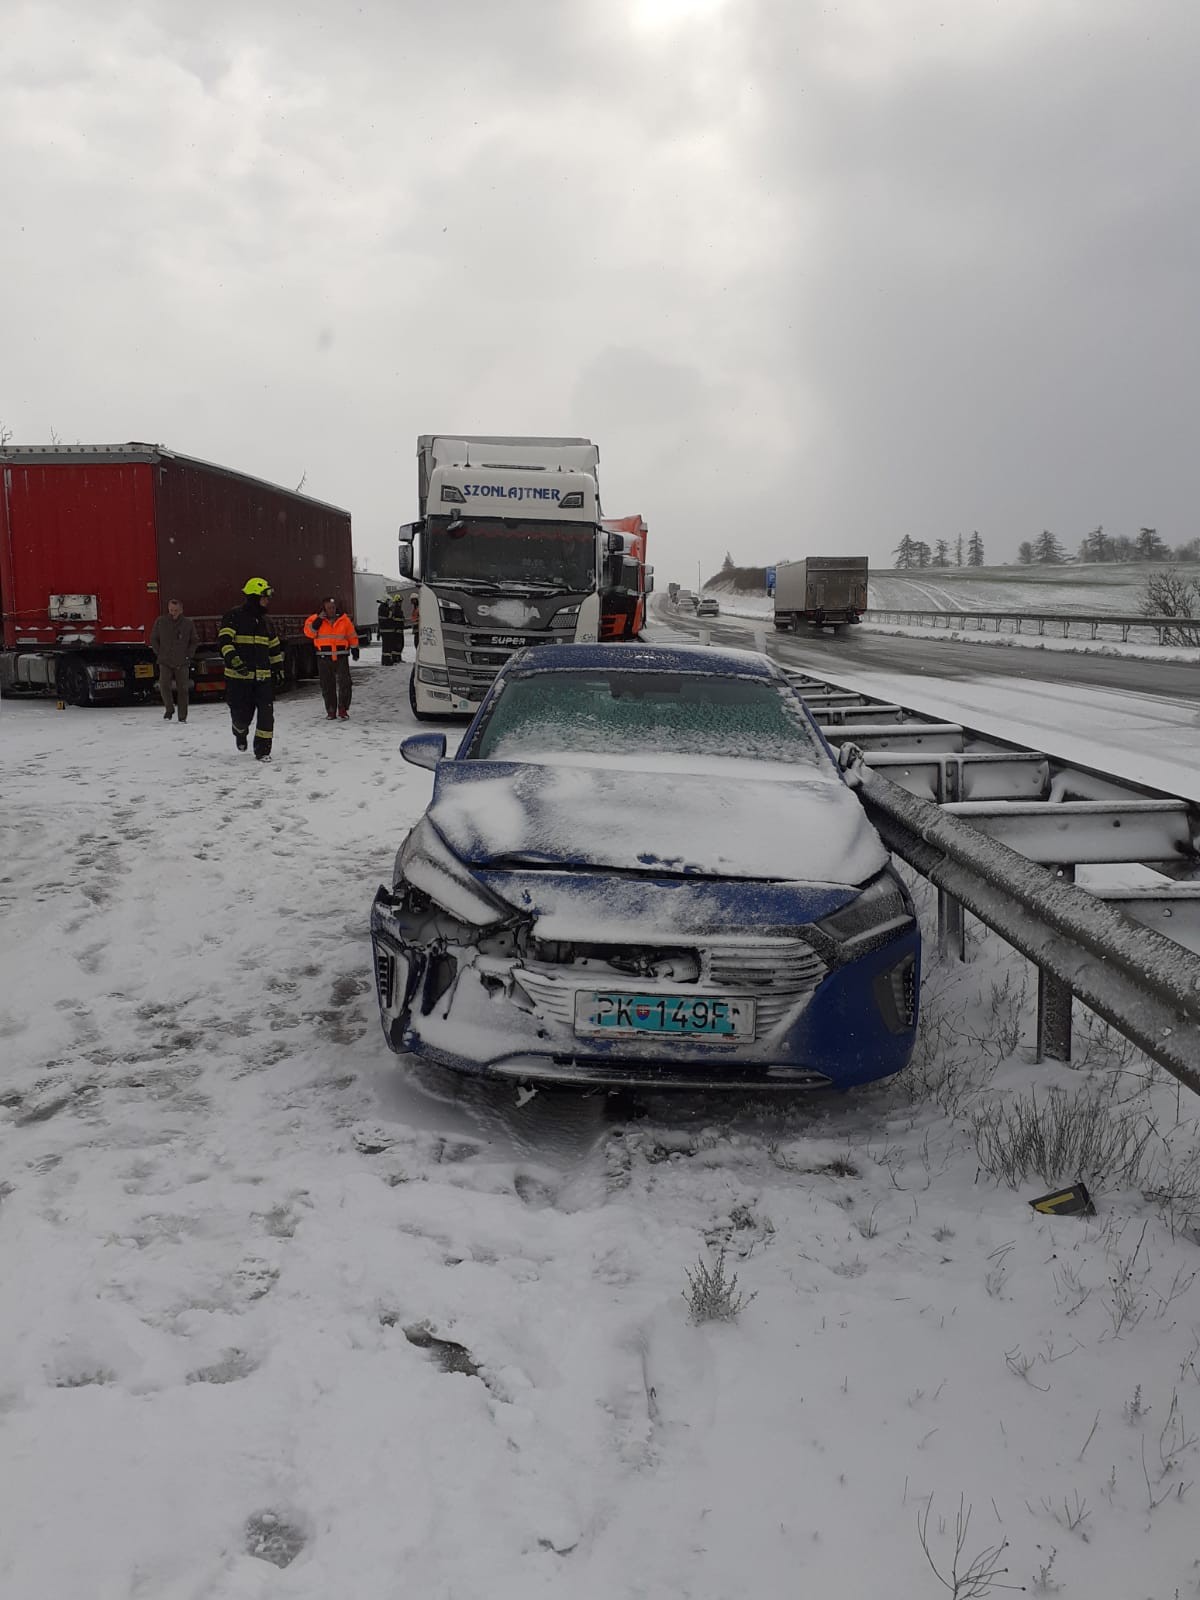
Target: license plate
[[143, 669], [692, 1016]]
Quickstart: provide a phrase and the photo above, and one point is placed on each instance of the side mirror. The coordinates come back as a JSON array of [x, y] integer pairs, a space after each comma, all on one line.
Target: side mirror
[[406, 560], [649, 580], [424, 749]]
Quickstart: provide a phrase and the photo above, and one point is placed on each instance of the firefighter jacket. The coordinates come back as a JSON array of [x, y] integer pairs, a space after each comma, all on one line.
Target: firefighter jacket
[[250, 647], [331, 639]]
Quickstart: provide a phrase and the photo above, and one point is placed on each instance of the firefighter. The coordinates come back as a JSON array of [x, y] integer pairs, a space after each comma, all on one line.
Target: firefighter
[[253, 658], [391, 631], [398, 624], [335, 640]]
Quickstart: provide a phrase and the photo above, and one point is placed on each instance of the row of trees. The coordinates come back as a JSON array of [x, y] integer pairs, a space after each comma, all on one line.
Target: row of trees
[[1047, 550], [1101, 546], [916, 553]]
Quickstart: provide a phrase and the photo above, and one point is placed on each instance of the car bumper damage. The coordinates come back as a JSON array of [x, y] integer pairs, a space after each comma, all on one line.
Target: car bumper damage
[[547, 978]]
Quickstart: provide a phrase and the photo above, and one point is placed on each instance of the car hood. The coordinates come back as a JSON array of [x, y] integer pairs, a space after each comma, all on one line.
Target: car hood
[[725, 821]]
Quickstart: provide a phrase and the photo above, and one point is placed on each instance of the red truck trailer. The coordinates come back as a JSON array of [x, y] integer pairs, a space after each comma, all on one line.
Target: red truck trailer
[[628, 581], [95, 539]]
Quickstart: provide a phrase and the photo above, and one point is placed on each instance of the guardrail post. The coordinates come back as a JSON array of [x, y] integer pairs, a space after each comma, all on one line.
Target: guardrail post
[[952, 923], [1054, 1003]]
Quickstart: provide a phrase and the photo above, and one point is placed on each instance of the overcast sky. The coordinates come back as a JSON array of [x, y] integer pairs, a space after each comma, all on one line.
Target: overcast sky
[[813, 276]]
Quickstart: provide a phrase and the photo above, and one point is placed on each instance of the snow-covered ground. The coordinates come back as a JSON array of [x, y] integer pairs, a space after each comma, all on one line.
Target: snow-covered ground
[[1083, 587], [243, 1252]]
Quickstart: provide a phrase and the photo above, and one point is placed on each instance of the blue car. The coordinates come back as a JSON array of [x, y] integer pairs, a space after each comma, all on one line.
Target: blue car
[[642, 866]]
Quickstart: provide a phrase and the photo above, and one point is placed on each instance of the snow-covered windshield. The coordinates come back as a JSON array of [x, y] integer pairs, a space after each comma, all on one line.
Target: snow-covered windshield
[[514, 550], [611, 710]]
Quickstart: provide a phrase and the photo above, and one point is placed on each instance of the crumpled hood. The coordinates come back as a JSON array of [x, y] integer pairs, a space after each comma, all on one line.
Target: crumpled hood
[[807, 827]]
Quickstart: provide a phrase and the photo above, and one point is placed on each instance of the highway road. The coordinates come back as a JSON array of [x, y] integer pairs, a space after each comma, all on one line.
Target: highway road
[[864, 649], [1134, 718]]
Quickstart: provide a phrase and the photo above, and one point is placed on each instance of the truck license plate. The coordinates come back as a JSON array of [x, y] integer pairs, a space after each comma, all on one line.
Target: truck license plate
[[695, 1016]]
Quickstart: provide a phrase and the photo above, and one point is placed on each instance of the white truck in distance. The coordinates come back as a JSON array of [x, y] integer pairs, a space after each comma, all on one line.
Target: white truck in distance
[[820, 592], [507, 550]]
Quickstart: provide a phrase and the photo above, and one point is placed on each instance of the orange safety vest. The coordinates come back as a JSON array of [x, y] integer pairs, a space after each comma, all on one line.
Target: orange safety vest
[[332, 639]]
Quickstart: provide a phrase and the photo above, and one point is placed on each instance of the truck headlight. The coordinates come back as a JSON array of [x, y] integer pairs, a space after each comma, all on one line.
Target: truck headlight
[[433, 675]]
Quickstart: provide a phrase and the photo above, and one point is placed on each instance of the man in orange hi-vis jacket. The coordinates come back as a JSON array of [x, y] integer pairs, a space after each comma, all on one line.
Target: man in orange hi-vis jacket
[[335, 641]]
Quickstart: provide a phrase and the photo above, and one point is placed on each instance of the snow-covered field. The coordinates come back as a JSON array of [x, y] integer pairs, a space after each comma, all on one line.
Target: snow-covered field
[[280, 1319], [1086, 588]]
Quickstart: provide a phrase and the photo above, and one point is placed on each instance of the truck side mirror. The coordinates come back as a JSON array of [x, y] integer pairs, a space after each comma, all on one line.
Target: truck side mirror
[[406, 560]]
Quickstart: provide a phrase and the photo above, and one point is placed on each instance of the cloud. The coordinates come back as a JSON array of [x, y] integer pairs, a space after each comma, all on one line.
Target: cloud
[[805, 273]]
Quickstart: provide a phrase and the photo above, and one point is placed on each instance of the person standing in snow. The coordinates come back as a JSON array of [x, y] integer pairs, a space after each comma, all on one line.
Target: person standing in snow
[[253, 658], [174, 640], [335, 640], [391, 631]]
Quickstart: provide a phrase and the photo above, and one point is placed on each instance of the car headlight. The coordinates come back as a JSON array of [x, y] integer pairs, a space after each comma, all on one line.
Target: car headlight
[[426, 861], [880, 910]]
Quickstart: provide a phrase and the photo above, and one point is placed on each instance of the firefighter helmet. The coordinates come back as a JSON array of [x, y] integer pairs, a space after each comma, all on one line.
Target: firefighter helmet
[[258, 586]]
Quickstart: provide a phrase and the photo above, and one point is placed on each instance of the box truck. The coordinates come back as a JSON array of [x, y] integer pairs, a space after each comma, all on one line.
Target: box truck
[[820, 592], [95, 539]]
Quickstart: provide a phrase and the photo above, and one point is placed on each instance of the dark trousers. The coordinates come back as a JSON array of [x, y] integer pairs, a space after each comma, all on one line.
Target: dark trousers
[[336, 688], [246, 699], [391, 640], [168, 675]]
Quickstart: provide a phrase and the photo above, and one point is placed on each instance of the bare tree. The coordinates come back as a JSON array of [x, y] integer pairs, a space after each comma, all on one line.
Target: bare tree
[[1169, 594]]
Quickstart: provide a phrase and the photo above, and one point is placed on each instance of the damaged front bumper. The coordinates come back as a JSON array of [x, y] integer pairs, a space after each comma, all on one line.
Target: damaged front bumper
[[497, 1001]]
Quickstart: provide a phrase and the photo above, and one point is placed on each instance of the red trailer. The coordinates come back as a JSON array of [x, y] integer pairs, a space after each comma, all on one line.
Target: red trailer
[[95, 539], [628, 581]]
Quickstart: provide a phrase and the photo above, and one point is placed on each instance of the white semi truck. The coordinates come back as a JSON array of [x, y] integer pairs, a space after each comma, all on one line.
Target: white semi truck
[[820, 592], [507, 549]]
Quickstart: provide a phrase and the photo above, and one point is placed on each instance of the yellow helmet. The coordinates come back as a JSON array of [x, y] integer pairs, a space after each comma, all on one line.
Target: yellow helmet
[[257, 586]]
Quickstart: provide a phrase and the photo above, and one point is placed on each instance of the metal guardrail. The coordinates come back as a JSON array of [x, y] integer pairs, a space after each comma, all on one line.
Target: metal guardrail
[[1000, 830], [961, 806], [1167, 630], [1142, 983]]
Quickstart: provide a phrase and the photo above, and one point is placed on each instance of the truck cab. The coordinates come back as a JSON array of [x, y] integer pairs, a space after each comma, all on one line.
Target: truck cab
[[628, 581], [507, 551]]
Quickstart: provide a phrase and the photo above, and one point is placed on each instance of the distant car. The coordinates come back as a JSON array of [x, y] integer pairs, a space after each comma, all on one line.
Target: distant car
[[645, 868], [707, 607]]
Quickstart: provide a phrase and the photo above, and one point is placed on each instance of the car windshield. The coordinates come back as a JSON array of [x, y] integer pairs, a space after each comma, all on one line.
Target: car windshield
[[514, 550], [646, 713]]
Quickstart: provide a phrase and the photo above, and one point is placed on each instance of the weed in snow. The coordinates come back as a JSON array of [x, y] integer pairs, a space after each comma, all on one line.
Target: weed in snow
[[711, 1296], [964, 1579]]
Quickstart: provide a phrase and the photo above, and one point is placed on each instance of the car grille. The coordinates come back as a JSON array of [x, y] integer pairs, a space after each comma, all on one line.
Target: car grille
[[777, 973]]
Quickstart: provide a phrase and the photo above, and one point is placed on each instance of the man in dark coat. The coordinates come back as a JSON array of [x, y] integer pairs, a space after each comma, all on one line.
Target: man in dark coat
[[253, 658], [174, 640], [391, 631]]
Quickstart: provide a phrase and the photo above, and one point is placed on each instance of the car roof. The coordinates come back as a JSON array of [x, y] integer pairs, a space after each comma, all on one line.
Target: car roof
[[641, 658]]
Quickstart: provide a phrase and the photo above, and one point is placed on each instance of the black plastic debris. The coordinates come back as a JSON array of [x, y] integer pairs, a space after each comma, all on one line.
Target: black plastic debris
[[1072, 1202]]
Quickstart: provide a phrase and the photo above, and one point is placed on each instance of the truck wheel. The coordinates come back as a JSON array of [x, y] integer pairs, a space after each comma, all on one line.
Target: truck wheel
[[421, 716], [73, 683]]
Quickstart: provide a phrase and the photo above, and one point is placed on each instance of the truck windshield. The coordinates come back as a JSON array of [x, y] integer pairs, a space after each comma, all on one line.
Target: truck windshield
[[512, 550]]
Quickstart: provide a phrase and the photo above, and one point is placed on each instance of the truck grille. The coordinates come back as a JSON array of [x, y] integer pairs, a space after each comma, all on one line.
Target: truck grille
[[474, 657]]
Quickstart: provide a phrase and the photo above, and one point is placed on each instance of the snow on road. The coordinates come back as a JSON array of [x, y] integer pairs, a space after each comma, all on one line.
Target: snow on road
[[281, 1319], [1147, 738]]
